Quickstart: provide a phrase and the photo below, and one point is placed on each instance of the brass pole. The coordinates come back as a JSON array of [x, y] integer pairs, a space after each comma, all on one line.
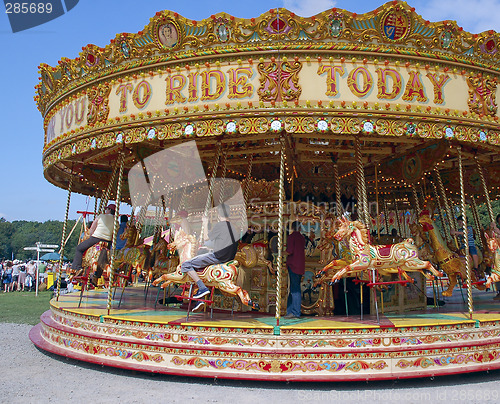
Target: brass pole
[[121, 160], [360, 180], [449, 214], [477, 223], [440, 208], [376, 201], [465, 232], [485, 190], [63, 238], [211, 184], [279, 261], [338, 196]]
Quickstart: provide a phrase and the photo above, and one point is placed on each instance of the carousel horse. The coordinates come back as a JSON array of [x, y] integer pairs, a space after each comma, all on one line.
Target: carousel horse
[[494, 247], [165, 262], [488, 255], [326, 304], [95, 259], [424, 249], [221, 276], [451, 263], [134, 252], [252, 255], [325, 246], [385, 259]]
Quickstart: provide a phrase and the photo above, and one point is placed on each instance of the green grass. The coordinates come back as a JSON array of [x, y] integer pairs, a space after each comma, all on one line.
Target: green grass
[[23, 307]]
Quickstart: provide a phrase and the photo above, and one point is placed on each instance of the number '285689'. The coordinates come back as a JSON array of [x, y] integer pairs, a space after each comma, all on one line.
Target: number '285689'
[[28, 8]]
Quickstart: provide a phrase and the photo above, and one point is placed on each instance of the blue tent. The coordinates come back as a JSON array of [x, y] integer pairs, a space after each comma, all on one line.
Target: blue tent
[[52, 256]]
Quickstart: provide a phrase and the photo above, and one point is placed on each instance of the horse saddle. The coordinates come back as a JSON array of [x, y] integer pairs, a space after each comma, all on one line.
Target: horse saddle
[[384, 251]]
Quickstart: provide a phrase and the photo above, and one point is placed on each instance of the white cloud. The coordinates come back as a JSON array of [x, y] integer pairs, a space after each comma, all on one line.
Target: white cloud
[[474, 16], [307, 8]]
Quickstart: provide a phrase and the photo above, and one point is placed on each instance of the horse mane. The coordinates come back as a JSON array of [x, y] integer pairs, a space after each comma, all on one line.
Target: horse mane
[[362, 229]]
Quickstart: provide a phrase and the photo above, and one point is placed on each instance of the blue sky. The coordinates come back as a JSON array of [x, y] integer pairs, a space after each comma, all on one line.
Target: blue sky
[[24, 193]]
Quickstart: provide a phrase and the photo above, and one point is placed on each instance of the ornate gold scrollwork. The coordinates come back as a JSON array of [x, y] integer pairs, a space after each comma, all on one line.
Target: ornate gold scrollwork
[[279, 81], [98, 103], [482, 95]]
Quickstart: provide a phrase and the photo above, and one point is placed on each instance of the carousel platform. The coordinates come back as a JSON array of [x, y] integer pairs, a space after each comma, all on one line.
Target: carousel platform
[[142, 337]]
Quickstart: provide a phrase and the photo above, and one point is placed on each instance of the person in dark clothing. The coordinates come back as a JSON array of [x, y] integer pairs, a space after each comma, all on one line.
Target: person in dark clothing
[[223, 241], [296, 263], [123, 224]]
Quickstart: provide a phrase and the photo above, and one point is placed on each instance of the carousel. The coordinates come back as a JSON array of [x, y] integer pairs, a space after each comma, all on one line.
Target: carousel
[[376, 132]]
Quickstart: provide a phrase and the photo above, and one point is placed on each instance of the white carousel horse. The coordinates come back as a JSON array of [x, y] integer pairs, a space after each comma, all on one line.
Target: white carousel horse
[[395, 258]]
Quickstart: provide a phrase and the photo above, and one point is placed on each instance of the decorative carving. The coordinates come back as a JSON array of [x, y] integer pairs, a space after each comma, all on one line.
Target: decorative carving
[[98, 103], [482, 95], [279, 81]]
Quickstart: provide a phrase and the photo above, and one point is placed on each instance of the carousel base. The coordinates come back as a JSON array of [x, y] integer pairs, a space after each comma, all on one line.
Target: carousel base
[[250, 345]]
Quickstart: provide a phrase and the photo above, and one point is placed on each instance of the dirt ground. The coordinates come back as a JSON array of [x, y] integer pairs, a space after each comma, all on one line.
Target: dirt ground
[[30, 375]]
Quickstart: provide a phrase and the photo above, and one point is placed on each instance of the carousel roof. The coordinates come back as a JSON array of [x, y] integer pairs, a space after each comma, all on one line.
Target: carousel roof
[[406, 90]]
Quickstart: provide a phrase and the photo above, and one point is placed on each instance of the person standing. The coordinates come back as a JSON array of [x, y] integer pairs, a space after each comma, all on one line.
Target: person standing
[[296, 264], [15, 276], [22, 278], [7, 277], [30, 275]]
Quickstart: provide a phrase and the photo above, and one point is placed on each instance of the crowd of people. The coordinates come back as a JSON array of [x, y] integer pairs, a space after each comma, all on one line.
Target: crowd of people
[[20, 275]]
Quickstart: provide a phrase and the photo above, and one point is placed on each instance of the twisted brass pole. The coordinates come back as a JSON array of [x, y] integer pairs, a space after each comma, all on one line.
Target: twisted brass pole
[[360, 180], [107, 192], [447, 229], [121, 160], [95, 207], [211, 184], [63, 238], [440, 211], [465, 232], [338, 196], [397, 217], [417, 202], [377, 213], [246, 191], [485, 190], [477, 223], [279, 261], [223, 177], [386, 217]]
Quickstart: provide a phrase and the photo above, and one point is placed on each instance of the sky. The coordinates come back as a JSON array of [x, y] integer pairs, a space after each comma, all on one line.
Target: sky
[[24, 192]]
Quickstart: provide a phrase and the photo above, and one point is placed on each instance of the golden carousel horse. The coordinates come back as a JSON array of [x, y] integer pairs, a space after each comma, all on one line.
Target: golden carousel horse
[[221, 276], [254, 254], [488, 260], [421, 242], [95, 260], [494, 247], [165, 262], [134, 253], [325, 302], [325, 246], [451, 263], [385, 259]]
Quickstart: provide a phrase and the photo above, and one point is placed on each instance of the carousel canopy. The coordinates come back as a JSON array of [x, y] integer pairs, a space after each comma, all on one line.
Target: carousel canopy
[[406, 90]]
